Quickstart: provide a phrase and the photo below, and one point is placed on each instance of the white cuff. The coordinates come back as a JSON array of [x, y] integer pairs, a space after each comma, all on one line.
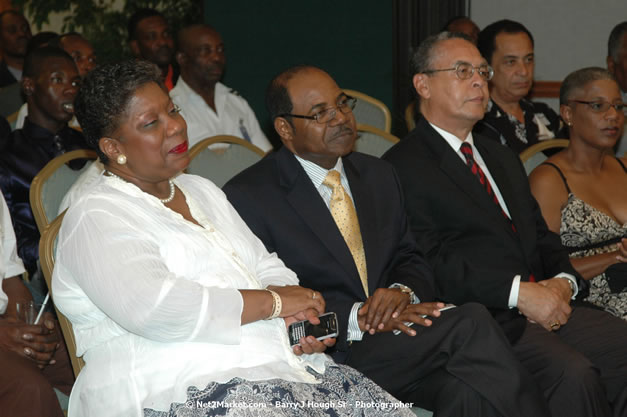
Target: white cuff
[[572, 280], [354, 333], [513, 293]]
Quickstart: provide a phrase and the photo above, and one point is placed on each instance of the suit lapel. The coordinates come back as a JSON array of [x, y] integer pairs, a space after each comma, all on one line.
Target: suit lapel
[[458, 172], [364, 202], [500, 176], [307, 203]]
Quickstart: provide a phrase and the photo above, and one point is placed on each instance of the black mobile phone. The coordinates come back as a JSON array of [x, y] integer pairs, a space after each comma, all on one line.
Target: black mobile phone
[[326, 329]]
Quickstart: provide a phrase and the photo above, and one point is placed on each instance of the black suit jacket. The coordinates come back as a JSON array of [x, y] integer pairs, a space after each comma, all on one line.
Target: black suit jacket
[[6, 78], [280, 204], [473, 250]]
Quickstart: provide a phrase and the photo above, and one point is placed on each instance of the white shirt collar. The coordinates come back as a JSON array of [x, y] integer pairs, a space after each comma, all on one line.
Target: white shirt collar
[[318, 173], [453, 140]]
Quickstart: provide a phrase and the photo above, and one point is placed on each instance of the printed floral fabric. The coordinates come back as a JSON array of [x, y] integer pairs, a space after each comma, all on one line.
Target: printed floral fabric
[[583, 225], [343, 391]]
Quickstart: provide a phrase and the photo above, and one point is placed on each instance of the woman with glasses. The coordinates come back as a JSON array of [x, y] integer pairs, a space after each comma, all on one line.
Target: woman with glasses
[[582, 190]]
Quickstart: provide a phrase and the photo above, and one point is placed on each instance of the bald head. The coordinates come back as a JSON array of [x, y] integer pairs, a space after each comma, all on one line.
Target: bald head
[[201, 56]]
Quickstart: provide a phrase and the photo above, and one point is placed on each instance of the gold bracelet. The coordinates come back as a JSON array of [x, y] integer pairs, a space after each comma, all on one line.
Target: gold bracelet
[[277, 305]]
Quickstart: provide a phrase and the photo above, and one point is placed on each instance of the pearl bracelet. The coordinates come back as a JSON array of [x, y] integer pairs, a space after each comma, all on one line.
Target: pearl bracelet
[[277, 305]]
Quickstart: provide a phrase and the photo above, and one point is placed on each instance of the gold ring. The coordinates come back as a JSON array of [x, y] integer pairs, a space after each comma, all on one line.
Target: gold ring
[[556, 325], [313, 295]]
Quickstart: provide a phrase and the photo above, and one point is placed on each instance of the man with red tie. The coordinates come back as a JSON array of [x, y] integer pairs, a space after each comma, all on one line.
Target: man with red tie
[[474, 218], [336, 218]]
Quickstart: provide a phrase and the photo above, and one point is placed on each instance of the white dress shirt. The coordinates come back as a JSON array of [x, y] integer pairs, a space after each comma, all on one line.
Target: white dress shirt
[[154, 301], [10, 264], [456, 144], [233, 115]]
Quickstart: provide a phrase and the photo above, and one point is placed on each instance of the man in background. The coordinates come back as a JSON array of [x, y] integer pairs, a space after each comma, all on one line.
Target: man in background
[[81, 52], [511, 119], [150, 39], [14, 35], [50, 84], [209, 107], [463, 24]]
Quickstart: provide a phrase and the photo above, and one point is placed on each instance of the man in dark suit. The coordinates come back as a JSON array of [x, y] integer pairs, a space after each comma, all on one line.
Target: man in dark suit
[[474, 218], [370, 273]]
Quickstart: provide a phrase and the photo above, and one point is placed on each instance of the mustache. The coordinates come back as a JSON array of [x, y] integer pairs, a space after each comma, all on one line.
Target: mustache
[[343, 130]]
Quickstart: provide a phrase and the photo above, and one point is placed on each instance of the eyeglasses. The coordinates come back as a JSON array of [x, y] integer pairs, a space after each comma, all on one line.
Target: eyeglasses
[[601, 106], [465, 71], [345, 105]]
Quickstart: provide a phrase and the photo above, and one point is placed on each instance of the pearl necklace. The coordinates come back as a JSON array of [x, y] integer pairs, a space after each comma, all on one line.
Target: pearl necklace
[[166, 200]]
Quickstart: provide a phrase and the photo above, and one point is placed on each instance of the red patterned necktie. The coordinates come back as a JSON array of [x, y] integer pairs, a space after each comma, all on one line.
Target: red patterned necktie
[[478, 172]]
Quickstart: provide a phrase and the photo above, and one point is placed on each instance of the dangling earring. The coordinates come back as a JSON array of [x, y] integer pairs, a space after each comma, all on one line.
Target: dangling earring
[[121, 159]]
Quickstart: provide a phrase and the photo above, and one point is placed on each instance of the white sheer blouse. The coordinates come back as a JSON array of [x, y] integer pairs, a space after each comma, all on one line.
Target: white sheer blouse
[[153, 298], [10, 264]]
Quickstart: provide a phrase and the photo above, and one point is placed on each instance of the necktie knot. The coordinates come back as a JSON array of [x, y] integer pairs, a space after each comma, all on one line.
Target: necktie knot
[[467, 152], [332, 179]]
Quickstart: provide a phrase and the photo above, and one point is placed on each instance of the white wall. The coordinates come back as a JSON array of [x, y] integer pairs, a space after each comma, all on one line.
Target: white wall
[[568, 34]]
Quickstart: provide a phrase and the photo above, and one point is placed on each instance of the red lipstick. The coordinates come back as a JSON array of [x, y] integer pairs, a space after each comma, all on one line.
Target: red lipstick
[[179, 148]]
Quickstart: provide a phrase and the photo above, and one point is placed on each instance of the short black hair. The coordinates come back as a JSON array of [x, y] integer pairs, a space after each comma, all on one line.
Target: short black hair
[[278, 100], [487, 36], [57, 40], [614, 43], [34, 61], [104, 96], [137, 17], [39, 40], [579, 79]]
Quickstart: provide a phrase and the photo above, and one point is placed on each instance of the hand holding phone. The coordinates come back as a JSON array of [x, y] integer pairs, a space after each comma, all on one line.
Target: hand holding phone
[[327, 328]]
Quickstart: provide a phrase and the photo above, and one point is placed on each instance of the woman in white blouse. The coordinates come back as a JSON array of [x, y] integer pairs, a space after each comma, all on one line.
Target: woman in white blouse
[[177, 308]]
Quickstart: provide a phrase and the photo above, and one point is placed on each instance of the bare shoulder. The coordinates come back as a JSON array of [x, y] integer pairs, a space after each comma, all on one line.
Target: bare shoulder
[[546, 182]]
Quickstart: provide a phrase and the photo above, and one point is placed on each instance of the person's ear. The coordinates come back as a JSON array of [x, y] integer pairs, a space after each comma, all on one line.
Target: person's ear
[[28, 86], [567, 114], [181, 58], [610, 64], [135, 48], [285, 131], [112, 148], [422, 85]]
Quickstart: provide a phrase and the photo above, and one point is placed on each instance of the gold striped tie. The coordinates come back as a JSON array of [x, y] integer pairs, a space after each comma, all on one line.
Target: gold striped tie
[[345, 216]]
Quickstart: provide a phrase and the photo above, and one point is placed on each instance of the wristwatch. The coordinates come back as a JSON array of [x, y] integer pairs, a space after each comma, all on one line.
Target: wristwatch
[[405, 290]]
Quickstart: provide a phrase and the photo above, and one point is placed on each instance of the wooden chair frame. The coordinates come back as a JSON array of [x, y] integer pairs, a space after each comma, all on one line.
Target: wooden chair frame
[[375, 102], [46, 258], [36, 187], [385, 135], [205, 143], [542, 146]]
